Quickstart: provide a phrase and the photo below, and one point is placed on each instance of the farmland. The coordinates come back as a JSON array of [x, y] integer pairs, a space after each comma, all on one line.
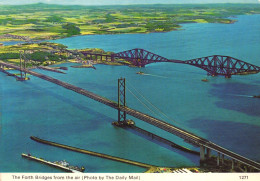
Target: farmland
[[45, 21]]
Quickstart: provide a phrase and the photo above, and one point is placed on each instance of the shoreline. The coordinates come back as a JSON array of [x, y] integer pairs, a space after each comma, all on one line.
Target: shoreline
[[35, 40]]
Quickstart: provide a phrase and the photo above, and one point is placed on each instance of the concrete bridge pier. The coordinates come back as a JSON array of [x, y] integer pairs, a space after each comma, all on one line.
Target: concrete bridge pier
[[208, 153], [251, 169], [222, 160], [202, 153], [218, 158], [227, 76], [232, 164]]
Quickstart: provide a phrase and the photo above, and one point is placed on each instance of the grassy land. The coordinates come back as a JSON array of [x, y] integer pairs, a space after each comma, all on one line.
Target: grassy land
[[42, 21], [50, 53]]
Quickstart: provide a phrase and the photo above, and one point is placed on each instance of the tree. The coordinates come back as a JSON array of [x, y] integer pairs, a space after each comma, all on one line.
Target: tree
[[71, 29]]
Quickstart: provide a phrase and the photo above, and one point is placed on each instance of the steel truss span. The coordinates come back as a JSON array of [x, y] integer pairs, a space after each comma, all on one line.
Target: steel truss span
[[214, 65], [223, 65], [140, 57]]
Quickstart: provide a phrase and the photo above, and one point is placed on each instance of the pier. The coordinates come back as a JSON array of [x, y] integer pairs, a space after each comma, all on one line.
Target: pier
[[101, 155], [162, 140], [206, 146], [50, 69]]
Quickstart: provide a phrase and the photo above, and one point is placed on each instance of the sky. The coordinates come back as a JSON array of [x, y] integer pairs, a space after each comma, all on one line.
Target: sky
[[124, 2]]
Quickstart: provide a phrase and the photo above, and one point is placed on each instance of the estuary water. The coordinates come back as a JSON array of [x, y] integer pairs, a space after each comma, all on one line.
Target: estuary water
[[221, 110]]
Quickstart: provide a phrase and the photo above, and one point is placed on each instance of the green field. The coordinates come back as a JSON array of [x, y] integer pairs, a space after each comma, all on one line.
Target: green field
[[46, 53], [42, 21]]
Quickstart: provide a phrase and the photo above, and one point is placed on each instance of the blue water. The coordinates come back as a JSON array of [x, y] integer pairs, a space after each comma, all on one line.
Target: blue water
[[6, 43], [220, 110]]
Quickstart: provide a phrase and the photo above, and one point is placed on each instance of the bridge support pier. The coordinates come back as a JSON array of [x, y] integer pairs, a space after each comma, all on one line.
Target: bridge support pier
[[251, 169], [218, 158], [202, 153], [223, 157], [227, 76], [232, 164], [112, 58], [208, 153]]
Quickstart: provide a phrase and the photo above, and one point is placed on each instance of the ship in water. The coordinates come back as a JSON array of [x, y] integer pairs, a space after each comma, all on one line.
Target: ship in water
[[141, 73], [64, 165], [256, 96], [204, 80]]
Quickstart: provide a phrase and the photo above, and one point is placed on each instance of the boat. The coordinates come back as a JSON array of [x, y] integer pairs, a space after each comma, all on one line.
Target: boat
[[141, 73], [204, 80], [64, 165], [255, 96]]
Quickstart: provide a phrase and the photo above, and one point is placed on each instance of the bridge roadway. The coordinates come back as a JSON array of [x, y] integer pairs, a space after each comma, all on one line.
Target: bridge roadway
[[147, 118]]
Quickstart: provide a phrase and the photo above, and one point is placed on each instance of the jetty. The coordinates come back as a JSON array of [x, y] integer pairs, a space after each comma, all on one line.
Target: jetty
[[163, 140], [52, 69], [101, 155]]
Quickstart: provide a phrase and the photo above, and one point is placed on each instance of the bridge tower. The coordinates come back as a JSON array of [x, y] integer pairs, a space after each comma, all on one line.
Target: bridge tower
[[22, 67], [121, 101], [122, 121]]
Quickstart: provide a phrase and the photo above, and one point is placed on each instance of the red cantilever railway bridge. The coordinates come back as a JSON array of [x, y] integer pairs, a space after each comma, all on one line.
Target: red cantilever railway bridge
[[188, 136], [214, 65]]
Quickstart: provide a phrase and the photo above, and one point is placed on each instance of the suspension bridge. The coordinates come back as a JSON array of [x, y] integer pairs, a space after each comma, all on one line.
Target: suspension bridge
[[214, 65], [205, 145]]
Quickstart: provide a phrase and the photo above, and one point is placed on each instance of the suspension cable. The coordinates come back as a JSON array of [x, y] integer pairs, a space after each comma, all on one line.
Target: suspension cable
[[170, 119], [151, 103], [143, 103]]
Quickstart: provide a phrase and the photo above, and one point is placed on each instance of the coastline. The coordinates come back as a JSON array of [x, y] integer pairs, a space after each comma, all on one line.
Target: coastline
[[37, 39]]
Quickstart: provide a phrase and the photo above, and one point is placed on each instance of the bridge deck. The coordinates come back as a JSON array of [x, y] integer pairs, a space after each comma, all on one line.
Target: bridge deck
[[147, 118]]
